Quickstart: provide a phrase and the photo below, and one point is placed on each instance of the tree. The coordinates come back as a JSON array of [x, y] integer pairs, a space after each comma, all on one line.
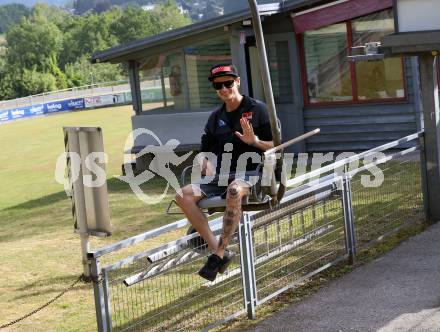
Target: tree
[[86, 35], [52, 14], [168, 17], [134, 23], [11, 14], [32, 52], [7, 90], [33, 44], [34, 82], [82, 72], [51, 49]]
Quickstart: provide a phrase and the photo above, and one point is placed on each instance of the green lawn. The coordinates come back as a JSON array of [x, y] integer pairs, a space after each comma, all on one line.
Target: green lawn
[[40, 252]]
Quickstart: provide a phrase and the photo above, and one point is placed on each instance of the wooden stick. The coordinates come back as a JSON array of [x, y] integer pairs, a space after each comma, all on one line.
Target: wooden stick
[[293, 141]]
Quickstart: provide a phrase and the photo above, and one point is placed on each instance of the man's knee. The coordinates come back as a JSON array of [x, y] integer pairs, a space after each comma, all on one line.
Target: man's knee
[[233, 190], [186, 195], [236, 190]]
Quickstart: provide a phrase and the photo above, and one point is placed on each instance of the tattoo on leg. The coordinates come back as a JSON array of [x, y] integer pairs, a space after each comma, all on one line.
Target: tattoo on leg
[[230, 214], [227, 221], [223, 244], [230, 222]]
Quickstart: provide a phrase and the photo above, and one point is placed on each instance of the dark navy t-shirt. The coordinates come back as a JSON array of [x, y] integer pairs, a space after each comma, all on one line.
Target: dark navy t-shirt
[[222, 125]]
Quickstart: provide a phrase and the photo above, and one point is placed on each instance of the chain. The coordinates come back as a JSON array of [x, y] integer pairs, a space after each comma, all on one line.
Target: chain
[[81, 277]]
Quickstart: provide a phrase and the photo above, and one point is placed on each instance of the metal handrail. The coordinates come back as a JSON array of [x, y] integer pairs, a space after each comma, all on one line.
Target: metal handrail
[[296, 191]]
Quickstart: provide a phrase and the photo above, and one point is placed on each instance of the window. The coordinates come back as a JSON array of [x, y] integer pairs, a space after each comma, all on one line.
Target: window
[[198, 60], [178, 81], [162, 83], [331, 78], [328, 70], [279, 66]]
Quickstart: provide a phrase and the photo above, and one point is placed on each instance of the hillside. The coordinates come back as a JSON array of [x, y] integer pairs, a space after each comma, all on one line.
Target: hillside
[[30, 3], [2, 45], [197, 10]]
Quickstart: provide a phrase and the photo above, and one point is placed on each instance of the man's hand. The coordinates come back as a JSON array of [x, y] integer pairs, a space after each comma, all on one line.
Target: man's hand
[[248, 135]]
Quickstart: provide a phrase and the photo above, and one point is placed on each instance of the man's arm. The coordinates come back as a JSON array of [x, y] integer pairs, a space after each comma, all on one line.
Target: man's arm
[[262, 145]]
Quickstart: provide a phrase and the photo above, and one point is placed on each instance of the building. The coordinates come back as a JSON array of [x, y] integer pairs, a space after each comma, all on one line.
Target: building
[[151, 6], [357, 105]]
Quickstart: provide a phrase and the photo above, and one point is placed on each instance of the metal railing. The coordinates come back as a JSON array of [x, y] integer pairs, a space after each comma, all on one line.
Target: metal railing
[[98, 89], [315, 226]]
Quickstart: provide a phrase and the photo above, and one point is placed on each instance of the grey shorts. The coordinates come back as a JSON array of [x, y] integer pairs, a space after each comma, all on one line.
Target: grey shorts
[[214, 188]]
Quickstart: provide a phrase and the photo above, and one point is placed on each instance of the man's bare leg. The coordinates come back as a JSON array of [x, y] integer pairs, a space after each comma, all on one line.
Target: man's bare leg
[[236, 191], [188, 203]]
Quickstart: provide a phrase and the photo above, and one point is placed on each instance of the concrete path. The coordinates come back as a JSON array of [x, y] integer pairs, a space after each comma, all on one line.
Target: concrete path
[[399, 291]]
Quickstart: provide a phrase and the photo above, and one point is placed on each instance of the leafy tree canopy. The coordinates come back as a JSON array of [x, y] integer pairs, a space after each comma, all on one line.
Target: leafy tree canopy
[[11, 14], [33, 44], [50, 49]]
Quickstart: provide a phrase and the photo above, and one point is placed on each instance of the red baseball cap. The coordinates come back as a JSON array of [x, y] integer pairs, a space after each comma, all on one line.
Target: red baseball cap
[[223, 69]]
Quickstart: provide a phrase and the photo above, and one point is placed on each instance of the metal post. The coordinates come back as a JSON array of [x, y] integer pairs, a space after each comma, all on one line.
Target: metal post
[[135, 86], [265, 73], [267, 87], [92, 83], [424, 177], [164, 91], [98, 290], [431, 117], [347, 205], [85, 246], [107, 300], [247, 266]]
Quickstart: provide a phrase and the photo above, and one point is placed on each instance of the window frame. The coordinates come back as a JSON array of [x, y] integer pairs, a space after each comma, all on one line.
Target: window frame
[[286, 37], [354, 83], [438, 71], [180, 52]]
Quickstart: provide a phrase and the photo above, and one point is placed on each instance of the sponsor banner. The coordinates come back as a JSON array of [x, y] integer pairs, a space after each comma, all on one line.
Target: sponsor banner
[[35, 110], [60, 106], [119, 98], [4, 116], [75, 104], [18, 113], [65, 105], [104, 100], [54, 107], [22, 112]]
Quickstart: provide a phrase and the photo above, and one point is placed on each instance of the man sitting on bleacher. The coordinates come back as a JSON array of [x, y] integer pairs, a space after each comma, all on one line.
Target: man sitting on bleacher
[[241, 125]]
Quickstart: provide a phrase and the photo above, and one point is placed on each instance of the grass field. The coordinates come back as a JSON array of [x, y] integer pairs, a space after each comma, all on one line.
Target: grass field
[[40, 252]]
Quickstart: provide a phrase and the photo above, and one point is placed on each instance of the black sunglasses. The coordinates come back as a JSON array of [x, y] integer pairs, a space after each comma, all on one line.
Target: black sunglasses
[[227, 84]]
